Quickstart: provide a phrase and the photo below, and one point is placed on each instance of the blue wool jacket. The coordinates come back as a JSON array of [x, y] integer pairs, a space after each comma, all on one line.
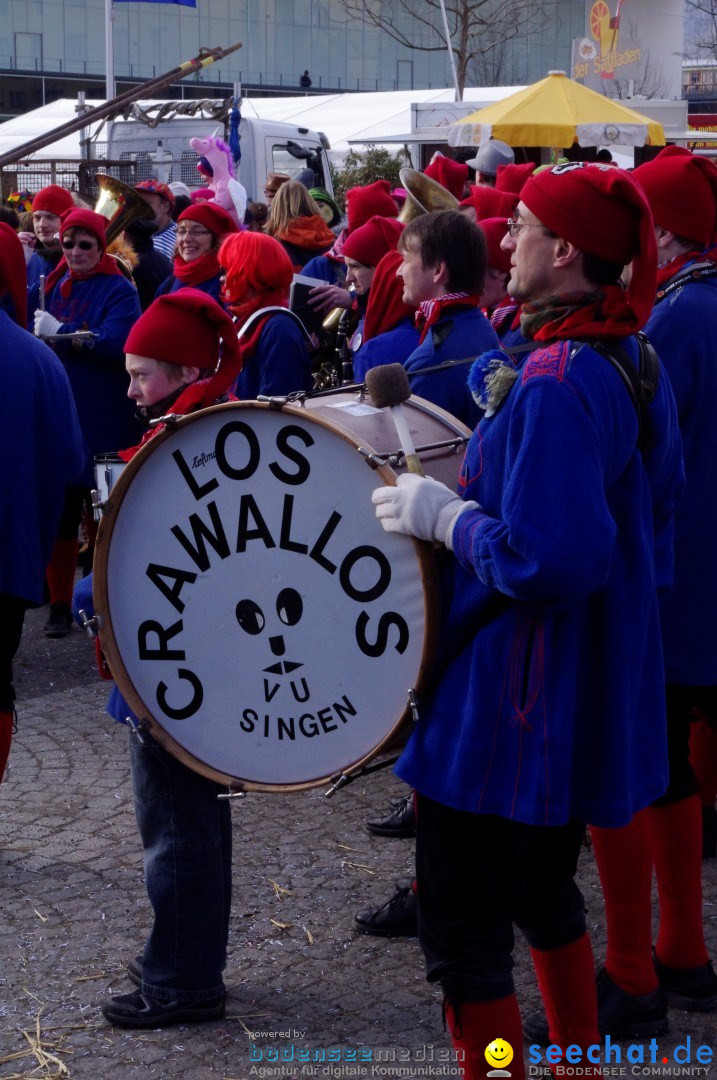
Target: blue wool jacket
[[462, 332], [212, 286], [393, 347], [548, 698], [326, 269], [279, 364], [42, 451], [683, 329], [108, 305]]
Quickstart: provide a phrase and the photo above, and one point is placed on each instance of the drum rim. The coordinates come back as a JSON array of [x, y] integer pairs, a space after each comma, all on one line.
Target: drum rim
[[426, 563]]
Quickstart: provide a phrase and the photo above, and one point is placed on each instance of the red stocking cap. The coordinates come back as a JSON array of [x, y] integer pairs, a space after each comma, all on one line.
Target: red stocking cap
[[13, 275], [450, 174], [211, 216], [487, 202], [54, 199], [494, 229], [602, 211], [682, 192], [513, 177], [363, 202], [386, 308], [88, 220], [370, 243]]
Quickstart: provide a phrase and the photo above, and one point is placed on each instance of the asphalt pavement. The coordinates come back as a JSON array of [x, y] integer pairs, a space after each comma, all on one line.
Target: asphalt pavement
[[308, 995]]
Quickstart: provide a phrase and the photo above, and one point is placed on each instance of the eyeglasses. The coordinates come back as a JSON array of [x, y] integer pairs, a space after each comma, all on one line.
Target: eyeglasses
[[83, 245], [514, 226], [194, 232]]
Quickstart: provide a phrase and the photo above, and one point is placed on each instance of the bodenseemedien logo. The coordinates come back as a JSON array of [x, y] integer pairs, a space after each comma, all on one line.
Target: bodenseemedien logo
[[498, 1054]]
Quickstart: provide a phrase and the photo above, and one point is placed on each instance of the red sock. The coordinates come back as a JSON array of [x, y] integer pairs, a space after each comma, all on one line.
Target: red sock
[[477, 1025], [676, 836], [703, 758], [5, 740], [624, 860], [566, 977], [61, 571]]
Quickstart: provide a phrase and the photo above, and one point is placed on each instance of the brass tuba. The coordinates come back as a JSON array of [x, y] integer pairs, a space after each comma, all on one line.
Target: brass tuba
[[424, 196], [120, 204]]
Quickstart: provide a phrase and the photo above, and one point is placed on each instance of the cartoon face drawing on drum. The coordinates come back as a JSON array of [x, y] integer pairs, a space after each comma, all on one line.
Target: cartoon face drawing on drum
[[289, 609], [261, 619]]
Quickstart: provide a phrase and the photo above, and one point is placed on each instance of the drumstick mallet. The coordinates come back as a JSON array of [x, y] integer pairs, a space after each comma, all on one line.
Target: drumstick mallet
[[389, 387]]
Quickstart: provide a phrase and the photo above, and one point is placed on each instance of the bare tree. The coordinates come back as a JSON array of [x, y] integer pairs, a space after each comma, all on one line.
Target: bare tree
[[702, 25], [648, 82], [478, 28]]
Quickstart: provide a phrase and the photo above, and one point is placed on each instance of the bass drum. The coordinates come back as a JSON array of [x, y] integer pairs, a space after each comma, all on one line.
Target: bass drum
[[254, 613]]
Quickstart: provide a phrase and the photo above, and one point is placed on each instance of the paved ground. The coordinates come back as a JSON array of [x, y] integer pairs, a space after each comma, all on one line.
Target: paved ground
[[74, 911]]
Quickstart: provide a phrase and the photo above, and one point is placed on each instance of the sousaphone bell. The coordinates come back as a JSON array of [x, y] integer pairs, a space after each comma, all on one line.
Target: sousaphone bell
[[120, 204]]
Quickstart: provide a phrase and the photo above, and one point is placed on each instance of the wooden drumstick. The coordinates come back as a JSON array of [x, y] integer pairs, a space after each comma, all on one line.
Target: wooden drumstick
[[388, 386]]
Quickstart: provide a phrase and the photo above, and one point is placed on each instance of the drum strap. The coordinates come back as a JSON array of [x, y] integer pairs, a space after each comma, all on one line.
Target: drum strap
[[258, 316]]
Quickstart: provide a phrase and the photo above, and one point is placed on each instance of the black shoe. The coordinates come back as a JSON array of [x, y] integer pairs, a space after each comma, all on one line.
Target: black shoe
[[629, 1016], [134, 971], [620, 1014], [400, 822], [59, 623], [709, 832], [690, 989], [141, 1011], [398, 917]]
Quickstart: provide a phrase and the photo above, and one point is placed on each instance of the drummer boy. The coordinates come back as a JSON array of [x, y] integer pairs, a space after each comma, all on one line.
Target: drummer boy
[[185, 829]]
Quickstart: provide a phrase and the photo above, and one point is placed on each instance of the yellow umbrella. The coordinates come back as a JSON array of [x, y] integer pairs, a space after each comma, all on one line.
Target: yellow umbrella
[[557, 112]]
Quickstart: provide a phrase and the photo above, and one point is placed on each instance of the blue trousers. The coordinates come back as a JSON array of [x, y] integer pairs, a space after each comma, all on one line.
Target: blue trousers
[[186, 835]]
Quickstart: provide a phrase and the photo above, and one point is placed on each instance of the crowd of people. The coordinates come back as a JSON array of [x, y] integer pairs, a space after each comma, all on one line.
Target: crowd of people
[[576, 684]]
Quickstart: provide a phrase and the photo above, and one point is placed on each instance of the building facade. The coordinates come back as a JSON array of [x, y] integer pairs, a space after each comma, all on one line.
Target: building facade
[[53, 48]]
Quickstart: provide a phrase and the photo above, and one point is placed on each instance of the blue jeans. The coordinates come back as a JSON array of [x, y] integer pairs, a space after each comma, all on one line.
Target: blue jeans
[[186, 835]]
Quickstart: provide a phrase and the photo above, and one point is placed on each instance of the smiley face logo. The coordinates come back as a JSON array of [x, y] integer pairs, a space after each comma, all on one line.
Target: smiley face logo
[[499, 1053]]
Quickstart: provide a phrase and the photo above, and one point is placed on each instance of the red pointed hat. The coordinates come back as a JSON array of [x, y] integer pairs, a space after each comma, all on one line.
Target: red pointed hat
[[488, 202], [372, 241], [682, 192], [13, 274], [602, 211], [513, 177], [450, 174], [54, 199], [363, 202], [79, 218], [494, 229], [386, 307]]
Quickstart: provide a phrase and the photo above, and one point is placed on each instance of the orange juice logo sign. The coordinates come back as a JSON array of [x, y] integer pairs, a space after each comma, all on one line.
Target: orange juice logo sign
[[605, 29]]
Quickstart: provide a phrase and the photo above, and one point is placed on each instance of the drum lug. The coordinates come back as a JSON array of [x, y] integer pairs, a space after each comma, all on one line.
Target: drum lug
[[97, 503], [92, 624], [236, 791], [338, 783], [413, 705], [136, 728], [273, 402], [170, 420], [370, 458]]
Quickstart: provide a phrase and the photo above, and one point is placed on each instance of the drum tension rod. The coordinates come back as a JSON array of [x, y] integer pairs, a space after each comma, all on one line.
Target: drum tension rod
[[92, 624], [365, 770], [171, 420], [273, 402], [234, 792], [413, 705]]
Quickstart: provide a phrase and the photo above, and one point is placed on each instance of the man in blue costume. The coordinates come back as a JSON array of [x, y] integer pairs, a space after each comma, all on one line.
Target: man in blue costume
[[547, 705], [443, 271], [42, 450]]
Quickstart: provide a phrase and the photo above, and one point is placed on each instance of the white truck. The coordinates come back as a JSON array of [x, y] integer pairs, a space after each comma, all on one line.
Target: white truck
[[155, 136]]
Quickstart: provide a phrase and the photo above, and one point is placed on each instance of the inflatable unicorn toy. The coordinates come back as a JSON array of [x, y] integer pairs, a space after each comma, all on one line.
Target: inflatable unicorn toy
[[217, 167]]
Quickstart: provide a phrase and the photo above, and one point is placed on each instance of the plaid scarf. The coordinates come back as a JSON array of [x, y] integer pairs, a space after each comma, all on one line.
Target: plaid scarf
[[432, 311]]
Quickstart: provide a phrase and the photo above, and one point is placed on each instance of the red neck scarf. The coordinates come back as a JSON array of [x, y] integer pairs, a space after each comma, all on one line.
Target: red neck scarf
[[198, 270], [603, 314], [672, 268], [432, 311], [503, 314], [106, 265]]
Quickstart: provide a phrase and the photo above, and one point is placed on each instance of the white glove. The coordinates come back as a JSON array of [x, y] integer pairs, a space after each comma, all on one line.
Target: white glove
[[46, 324], [420, 506]]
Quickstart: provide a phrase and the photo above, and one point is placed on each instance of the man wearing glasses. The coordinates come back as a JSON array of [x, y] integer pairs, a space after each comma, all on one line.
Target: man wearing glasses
[[547, 707], [89, 310]]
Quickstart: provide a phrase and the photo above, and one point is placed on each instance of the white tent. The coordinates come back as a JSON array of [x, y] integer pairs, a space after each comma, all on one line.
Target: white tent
[[343, 118]]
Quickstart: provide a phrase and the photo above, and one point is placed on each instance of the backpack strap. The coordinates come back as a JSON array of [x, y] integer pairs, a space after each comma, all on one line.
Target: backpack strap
[[641, 382]]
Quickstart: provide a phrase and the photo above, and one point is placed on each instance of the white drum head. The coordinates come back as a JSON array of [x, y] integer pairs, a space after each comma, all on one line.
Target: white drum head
[[255, 609]]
